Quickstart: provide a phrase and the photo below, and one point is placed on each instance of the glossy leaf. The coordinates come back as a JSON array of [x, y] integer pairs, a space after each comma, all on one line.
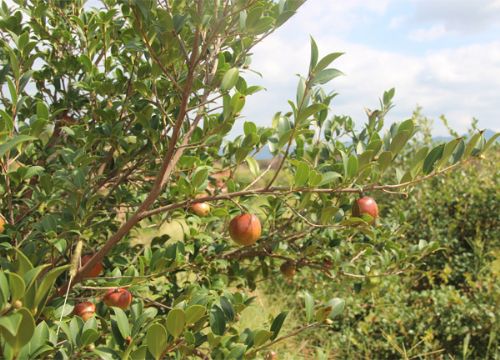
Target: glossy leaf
[[176, 320], [277, 324], [156, 339]]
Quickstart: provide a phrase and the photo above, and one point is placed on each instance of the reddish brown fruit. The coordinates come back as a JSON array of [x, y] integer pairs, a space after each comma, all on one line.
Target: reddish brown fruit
[[245, 229], [365, 205], [85, 310], [95, 271], [288, 269], [200, 209], [118, 297]]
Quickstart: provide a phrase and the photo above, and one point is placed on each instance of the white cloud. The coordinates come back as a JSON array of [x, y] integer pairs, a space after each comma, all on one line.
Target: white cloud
[[459, 82], [464, 16], [397, 21], [428, 34]]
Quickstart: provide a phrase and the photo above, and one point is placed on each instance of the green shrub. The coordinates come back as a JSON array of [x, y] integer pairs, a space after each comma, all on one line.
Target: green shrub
[[448, 304]]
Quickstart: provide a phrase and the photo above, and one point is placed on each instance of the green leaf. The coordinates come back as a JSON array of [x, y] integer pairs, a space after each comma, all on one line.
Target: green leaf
[[17, 286], [25, 329], [194, 313], [41, 111], [237, 352], [156, 339], [4, 290], [399, 141], [431, 159], [230, 78], [12, 143], [176, 320], [217, 320], [301, 174], [459, 152], [46, 284], [253, 166], [408, 125], [471, 144], [122, 322], [329, 177], [327, 60], [11, 323], [374, 145], [314, 54], [249, 128], [326, 75], [491, 141], [309, 305], [277, 324], [419, 157], [89, 335], [199, 177], [352, 166], [448, 150], [310, 110], [337, 307], [261, 336], [23, 264], [227, 308], [384, 160]]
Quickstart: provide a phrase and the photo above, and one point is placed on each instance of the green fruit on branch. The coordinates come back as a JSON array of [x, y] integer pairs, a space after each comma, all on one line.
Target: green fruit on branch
[[245, 229], [85, 310], [365, 206], [118, 297]]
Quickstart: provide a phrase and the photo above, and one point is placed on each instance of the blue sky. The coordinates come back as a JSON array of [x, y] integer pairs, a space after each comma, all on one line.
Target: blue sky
[[441, 54]]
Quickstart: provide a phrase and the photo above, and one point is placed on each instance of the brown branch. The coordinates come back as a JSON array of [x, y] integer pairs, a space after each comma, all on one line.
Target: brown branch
[[283, 190], [284, 337]]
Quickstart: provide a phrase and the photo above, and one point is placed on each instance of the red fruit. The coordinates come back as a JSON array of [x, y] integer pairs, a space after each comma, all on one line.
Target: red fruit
[[85, 310], [201, 209], [118, 297], [245, 229], [95, 271], [365, 205]]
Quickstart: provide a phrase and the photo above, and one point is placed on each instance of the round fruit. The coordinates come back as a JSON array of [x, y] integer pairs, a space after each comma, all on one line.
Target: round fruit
[[271, 355], [96, 270], [365, 205], [200, 209], [118, 297], [2, 224], [245, 229], [17, 304], [85, 310], [288, 269]]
